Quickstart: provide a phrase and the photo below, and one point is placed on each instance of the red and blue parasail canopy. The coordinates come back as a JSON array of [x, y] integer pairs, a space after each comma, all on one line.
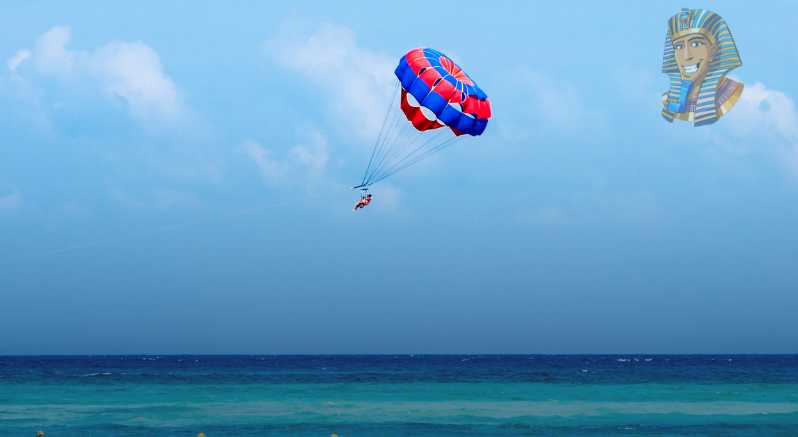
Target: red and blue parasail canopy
[[436, 93]]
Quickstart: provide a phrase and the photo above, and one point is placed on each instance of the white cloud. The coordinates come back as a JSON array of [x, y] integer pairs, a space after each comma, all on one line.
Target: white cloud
[[763, 116], [306, 162], [762, 108], [132, 71], [15, 60], [314, 155], [269, 168], [50, 54], [357, 82], [11, 201]]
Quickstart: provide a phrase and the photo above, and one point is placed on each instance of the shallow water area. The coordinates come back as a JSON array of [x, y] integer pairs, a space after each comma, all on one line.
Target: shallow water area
[[421, 395]]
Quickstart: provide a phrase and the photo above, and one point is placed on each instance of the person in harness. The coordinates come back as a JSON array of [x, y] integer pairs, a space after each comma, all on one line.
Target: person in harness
[[364, 200]]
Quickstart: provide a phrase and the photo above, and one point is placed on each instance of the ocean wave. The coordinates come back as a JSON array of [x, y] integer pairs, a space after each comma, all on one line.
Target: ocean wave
[[269, 412]]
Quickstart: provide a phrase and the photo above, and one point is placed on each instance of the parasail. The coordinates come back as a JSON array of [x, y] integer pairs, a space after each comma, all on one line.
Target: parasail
[[433, 93]]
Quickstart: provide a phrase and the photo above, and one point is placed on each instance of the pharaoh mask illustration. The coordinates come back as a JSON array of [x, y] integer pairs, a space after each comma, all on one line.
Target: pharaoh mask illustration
[[699, 52]]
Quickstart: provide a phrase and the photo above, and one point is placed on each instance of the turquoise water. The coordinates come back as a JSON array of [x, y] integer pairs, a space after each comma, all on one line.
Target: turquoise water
[[428, 395]]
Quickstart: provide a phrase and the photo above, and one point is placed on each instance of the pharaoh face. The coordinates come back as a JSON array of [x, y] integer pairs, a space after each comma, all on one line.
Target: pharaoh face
[[693, 54]]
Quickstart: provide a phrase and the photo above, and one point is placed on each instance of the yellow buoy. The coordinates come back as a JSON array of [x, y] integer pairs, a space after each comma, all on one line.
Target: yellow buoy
[[200, 435], [40, 434]]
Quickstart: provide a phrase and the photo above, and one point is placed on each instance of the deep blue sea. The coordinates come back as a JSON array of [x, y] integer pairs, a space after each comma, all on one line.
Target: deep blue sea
[[400, 395]]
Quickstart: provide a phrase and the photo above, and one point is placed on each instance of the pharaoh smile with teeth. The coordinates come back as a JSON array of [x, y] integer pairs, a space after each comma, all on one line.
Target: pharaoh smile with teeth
[[699, 52], [689, 69]]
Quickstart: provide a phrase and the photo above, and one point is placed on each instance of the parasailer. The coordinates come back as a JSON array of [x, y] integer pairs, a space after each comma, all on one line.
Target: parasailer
[[365, 199], [433, 93]]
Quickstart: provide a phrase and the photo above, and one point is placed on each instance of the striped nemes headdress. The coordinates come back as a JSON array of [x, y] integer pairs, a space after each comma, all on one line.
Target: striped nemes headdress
[[714, 28]]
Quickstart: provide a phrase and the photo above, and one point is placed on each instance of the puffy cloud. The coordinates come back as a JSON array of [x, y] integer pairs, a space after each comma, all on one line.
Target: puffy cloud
[[763, 108], [357, 82], [305, 162], [15, 60], [767, 114], [315, 155], [269, 168], [132, 71], [50, 54]]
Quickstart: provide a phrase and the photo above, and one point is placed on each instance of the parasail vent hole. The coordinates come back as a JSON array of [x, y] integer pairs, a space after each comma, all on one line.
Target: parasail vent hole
[[462, 98], [437, 81], [420, 72]]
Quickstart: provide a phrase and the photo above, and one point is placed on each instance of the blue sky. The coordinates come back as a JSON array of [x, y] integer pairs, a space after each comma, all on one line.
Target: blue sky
[[580, 221]]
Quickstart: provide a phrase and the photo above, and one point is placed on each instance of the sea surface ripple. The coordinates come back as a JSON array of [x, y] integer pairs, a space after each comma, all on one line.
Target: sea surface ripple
[[409, 395]]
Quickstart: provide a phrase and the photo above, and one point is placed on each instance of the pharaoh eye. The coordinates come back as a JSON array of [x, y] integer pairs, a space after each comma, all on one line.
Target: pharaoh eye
[[696, 44], [679, 46]]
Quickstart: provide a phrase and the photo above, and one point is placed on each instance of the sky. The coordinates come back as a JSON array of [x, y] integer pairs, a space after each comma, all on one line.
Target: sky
[[579, 222]]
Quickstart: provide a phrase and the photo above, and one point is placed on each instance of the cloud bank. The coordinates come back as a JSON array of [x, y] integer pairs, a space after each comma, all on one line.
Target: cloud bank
[[131, 71]]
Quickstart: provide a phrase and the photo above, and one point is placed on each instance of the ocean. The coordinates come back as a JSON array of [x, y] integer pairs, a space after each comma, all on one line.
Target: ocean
[[400, 395]]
